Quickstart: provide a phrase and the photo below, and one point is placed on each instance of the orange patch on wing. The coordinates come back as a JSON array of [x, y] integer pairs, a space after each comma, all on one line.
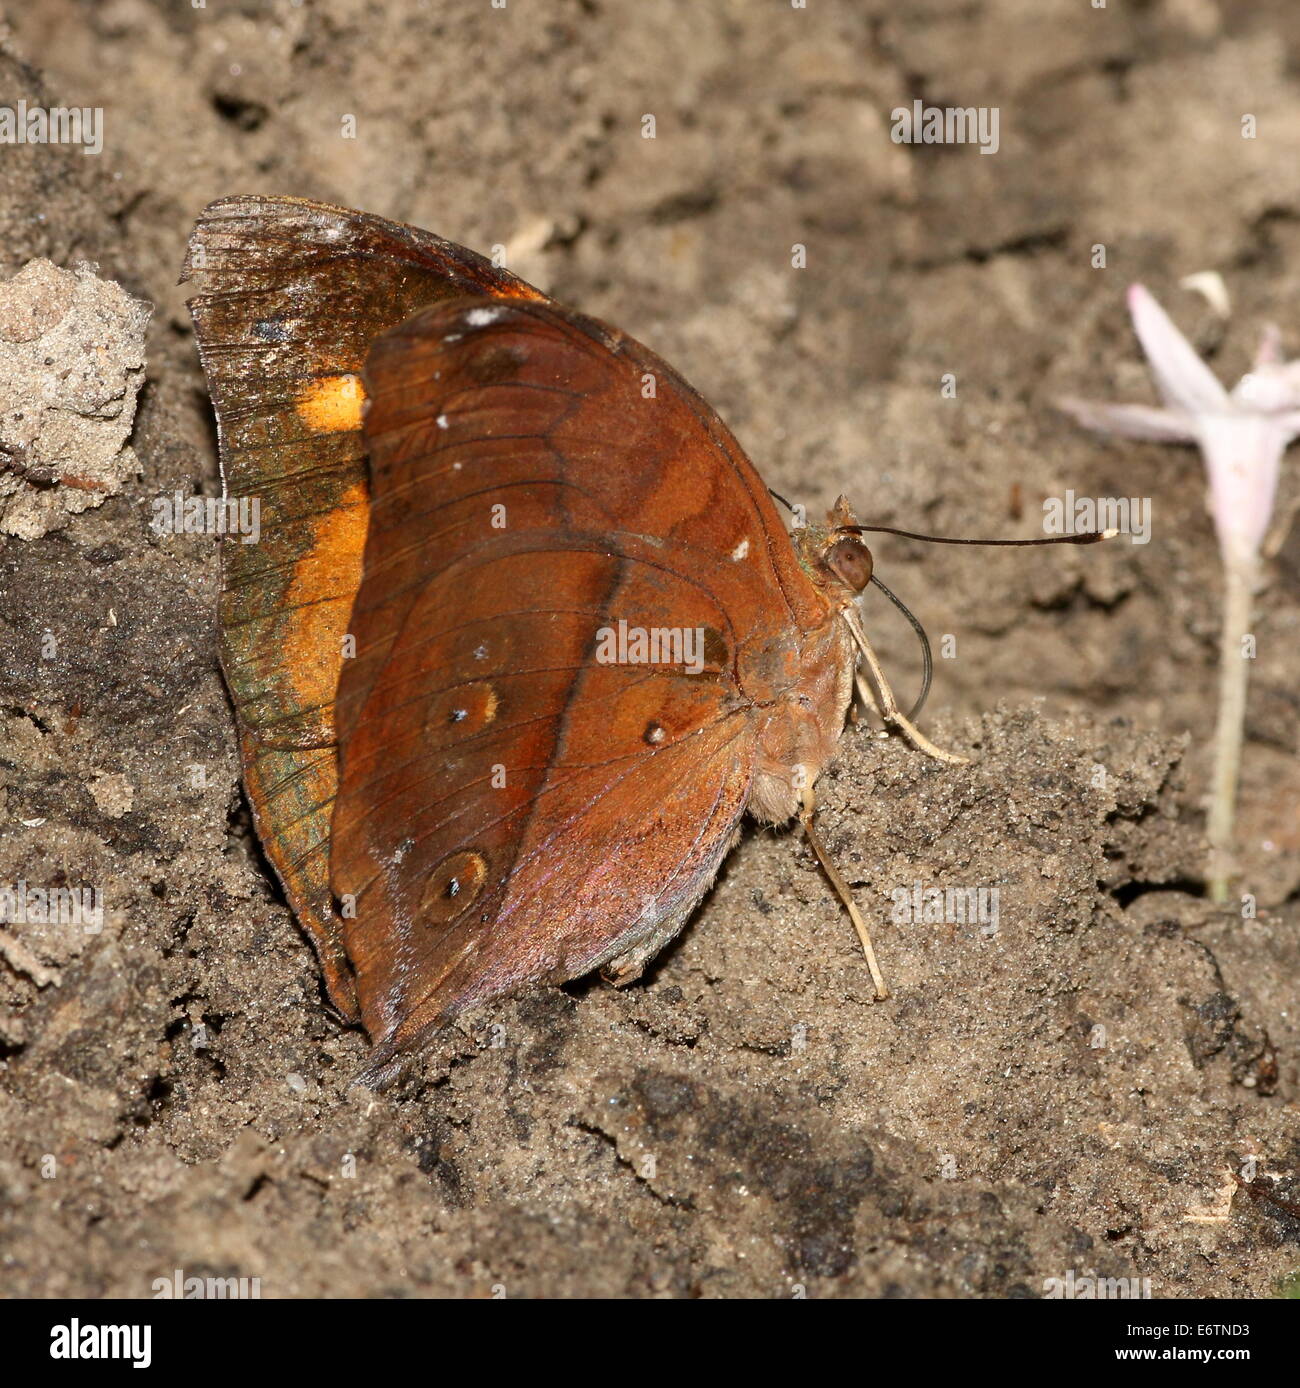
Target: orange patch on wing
[[332, 404], [325, 580]]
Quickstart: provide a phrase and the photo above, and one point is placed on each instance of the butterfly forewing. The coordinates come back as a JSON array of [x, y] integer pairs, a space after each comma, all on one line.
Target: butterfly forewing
[[294, 293]]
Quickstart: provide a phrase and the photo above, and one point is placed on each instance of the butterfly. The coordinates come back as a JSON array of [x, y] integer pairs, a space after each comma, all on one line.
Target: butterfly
[[524, 636]]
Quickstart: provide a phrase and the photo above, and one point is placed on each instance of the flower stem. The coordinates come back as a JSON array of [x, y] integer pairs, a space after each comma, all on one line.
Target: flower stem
[[1234, 666]]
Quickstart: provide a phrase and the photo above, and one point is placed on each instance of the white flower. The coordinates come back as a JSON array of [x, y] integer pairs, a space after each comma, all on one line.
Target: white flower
[[1242, 434]]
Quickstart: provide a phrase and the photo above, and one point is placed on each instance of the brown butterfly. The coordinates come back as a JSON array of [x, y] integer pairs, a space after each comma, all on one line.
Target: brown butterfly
[[525, 635]]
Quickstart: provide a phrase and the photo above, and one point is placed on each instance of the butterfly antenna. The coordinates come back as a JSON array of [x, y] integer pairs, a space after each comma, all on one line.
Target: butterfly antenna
[[927, 657], [1090, 537], [781, 499]]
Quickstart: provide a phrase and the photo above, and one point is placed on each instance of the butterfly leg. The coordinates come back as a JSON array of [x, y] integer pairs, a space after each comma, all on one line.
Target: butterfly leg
[[841, 889], [883, 696]]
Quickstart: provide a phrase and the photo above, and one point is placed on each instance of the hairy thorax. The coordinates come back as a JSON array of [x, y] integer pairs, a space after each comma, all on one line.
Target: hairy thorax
[[799, 730]]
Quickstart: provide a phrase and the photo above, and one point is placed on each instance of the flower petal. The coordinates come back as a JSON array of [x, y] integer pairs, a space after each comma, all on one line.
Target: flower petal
[[1130, 421], [1269, 389], [1289, 424], [1182, 378]]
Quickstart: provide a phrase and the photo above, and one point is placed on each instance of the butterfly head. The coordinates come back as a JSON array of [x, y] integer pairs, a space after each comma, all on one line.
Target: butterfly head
[[835, 554]]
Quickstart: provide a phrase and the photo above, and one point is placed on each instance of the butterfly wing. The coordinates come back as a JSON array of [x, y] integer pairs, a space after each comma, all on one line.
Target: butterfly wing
[[294, 294], [520, 797]]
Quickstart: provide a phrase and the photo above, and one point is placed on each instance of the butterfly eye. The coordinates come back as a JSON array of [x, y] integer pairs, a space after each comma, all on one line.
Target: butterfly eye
[[850, 561]]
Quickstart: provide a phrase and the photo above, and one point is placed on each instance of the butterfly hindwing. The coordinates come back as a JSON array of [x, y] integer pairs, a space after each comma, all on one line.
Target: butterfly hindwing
[[521, 797]]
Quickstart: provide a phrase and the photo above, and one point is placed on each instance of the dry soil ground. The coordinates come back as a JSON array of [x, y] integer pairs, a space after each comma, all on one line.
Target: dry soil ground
[[1074, 1092]]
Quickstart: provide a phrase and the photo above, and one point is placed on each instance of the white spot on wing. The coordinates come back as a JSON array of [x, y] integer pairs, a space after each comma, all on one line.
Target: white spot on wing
[[442, 421], [481, 317], [741, 550]]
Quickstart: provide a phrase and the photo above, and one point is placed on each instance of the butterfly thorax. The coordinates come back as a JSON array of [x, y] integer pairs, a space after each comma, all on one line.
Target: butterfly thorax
[[799, 732]]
